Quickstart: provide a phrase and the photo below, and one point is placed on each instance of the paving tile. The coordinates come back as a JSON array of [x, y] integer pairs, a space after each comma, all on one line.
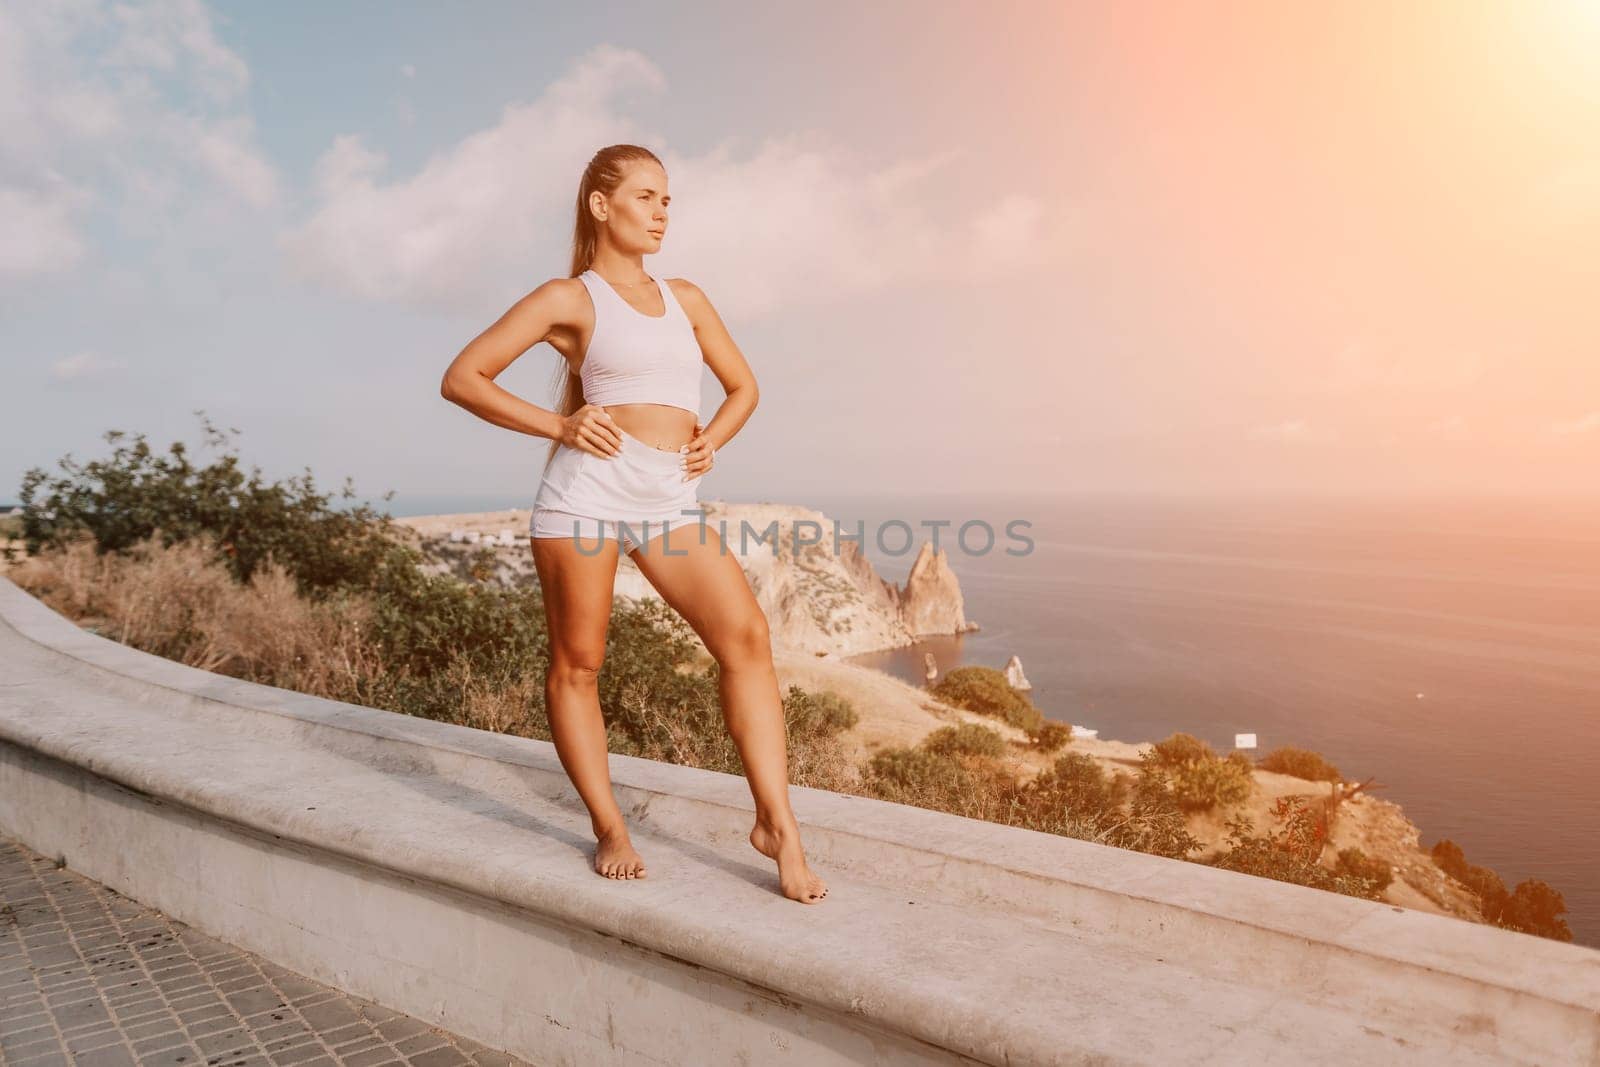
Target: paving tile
[[89, 978]]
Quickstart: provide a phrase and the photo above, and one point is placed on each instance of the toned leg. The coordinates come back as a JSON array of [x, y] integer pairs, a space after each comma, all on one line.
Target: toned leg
[[577, 591], [708, 588]]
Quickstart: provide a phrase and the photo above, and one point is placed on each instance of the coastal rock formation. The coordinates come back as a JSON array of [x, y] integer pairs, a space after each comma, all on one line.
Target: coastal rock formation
[[1014, 676], [932, 601], [820, 594]]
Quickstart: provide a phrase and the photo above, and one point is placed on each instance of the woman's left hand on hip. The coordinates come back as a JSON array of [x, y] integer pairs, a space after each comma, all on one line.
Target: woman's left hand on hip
[[696, 457]]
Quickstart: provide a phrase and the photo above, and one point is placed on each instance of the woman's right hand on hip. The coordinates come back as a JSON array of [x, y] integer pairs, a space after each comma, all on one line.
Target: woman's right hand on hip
[[592, 429]]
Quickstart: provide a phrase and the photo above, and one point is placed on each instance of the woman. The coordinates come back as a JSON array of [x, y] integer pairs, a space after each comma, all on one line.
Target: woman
[[627, 450]]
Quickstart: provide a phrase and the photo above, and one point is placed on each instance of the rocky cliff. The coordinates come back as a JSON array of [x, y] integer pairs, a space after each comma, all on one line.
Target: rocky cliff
[[821, 598]]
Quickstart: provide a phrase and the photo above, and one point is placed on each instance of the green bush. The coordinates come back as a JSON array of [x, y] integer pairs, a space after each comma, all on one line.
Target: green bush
[[909, 768], [135, 493], [823, 712], [1052, 736], [1355, 862], [1534, 908], [1300, 763], [1198, 779], [1155, 823], [1076, 798], [985, 691], [424, 621], [960, 785], [967, 739], [1077, 784], [1290, 851], [1182, 748], [1200, 785]]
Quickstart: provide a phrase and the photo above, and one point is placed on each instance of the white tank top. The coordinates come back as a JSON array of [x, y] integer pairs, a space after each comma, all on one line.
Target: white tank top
[[634, 358]]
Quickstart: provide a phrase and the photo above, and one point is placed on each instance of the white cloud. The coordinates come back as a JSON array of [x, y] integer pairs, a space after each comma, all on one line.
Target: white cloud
[[492, 214], [224, 149], [173, 35], [347, 165], [97, 110], [85, 112], [41, 237], [467, 220]]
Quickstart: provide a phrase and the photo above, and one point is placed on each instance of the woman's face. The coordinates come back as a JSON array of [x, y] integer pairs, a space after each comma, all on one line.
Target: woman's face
[[637, 211]]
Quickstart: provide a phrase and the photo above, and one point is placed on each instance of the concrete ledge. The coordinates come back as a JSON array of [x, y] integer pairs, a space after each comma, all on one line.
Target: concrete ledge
[[445, 872]]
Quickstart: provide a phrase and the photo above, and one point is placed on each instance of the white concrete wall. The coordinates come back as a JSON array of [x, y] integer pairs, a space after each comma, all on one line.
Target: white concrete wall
[[445, 872]]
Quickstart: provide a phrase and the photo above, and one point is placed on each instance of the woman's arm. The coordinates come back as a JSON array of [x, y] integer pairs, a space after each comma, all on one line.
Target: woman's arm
[[725, 361], [469, 380]]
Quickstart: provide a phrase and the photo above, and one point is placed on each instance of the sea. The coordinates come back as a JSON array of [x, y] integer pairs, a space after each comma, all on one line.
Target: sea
[[1446, 648]]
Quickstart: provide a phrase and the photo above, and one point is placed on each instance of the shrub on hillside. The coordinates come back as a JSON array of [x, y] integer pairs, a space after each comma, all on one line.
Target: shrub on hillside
[[924, 778], [1198, 779], [1181, 748], [1155, 823], [1289, 851], [815, 722], [823, 711], [1077, 784], [985, 691], [914, 771], [136, 494], [1051, 736], [1534, 908], [1301, 763], [967, 739], [1450, 859], [425, 621], [1075, 797], [1354, 861], [1200, 785]]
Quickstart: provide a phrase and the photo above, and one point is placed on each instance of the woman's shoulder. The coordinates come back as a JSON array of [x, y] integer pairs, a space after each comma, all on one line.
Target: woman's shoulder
[[690, 295], [560, 284], [565, 289], [562, 301]]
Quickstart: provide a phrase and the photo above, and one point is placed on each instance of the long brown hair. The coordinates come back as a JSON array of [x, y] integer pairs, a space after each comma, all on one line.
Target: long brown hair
[[603, 174]]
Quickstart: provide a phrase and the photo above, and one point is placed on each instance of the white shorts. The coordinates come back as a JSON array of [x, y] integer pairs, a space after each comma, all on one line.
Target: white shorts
[[632, 497]]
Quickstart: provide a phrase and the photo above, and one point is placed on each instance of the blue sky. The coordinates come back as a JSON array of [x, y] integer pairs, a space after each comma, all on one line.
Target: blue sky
[[965, 247]]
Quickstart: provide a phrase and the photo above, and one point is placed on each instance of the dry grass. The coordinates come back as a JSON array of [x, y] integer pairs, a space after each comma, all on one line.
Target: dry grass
[[180, 603]]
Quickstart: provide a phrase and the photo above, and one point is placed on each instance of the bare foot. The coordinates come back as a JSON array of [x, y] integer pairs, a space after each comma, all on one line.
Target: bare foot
[[794, 877], [616, 858]]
